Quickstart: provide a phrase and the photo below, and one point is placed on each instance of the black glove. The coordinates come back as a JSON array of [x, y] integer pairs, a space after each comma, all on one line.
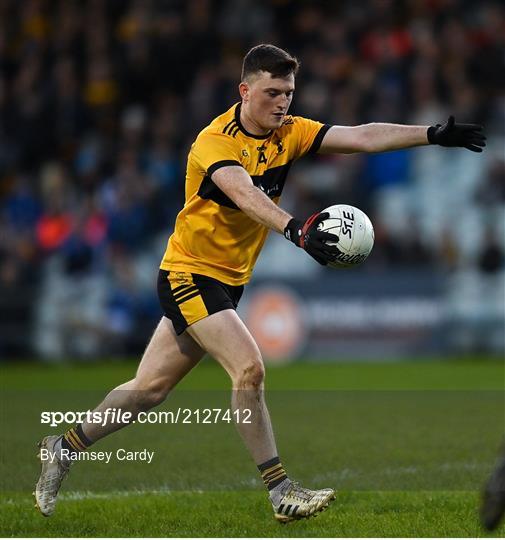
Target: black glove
[[306, 236], [451, 134]]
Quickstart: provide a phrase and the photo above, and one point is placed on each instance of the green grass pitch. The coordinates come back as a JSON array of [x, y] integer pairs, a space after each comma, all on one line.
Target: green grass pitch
[[407, 446]]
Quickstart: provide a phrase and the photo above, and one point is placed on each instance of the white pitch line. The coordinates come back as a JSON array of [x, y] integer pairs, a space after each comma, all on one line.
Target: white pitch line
[[85, 495], [253, 483]]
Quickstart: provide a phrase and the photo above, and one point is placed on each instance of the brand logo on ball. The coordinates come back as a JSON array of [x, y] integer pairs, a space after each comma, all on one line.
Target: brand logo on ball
[[350, 259], [347, 223]]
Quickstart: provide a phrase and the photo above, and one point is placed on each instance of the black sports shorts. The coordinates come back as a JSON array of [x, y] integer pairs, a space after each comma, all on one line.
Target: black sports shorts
[[187, 298]]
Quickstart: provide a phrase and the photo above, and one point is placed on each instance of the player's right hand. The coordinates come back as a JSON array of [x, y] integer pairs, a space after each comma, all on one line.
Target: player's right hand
[[314, 242]]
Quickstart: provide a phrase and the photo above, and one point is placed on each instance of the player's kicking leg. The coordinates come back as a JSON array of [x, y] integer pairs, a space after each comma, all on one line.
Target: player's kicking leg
[[227, 339], [166, 360]]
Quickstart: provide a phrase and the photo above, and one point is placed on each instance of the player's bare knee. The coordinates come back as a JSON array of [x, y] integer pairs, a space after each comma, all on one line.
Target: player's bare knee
[[251, 376], [151, 393]]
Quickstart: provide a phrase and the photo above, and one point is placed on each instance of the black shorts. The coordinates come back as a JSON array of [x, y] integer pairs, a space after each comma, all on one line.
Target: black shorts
[[187, 298]]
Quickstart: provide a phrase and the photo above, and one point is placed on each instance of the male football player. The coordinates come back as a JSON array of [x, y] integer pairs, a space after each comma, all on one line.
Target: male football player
[[235, 174]]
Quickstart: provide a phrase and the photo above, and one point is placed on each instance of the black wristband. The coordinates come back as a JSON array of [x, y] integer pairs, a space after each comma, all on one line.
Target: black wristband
[[293, 231], [431, 134]]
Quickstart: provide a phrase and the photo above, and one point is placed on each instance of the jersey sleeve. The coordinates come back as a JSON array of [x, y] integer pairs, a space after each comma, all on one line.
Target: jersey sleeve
[[308, 134], [211, 151]]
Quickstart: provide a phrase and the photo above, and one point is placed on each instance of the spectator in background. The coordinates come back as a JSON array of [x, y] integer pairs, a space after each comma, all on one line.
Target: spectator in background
[[492, 190], [67, 110], [125, 200], [490, 258]]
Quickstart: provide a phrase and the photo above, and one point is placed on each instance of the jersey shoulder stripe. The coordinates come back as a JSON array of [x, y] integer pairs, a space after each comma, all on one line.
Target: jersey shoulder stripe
[[230, 127]]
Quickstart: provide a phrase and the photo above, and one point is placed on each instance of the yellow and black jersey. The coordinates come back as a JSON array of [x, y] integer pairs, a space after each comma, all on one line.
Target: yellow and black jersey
[[212, 236]]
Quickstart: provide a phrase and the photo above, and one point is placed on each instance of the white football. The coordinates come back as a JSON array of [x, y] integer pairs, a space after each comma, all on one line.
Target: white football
[[355, 234]]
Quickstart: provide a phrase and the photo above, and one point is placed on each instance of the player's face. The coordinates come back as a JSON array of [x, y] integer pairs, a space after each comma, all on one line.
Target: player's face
[[267, 99]]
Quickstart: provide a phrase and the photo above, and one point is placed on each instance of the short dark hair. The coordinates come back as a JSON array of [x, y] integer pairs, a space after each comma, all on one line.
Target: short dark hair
[[266, 57]]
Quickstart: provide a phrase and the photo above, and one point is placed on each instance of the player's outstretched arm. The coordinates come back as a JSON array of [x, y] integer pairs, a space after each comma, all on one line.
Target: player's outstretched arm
[[236, 183], [378, 137]]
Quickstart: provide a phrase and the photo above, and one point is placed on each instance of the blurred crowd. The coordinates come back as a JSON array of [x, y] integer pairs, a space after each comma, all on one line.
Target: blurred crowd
[[101, 99]]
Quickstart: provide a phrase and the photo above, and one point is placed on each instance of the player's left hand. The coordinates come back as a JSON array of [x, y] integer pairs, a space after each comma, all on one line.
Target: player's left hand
[[452, 134]]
